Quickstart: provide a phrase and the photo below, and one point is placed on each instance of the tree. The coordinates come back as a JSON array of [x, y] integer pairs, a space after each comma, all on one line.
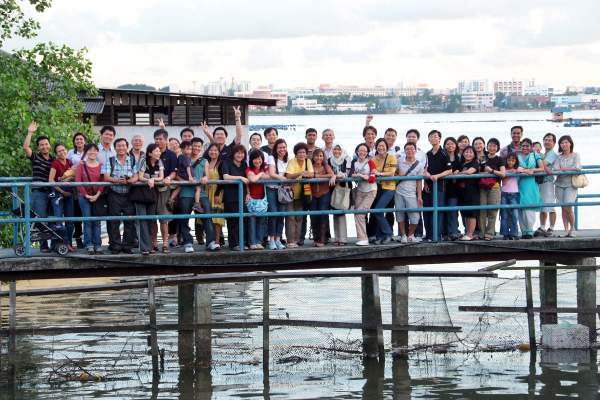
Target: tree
[[14, 23], [136, 86]]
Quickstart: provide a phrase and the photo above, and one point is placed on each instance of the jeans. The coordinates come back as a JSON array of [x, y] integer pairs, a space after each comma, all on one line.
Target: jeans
[[451, 219], [383, 229], [509, 217], [91, 229], [428, 216], [256, 229], [320, 223], [64, 207], [145, 226], [185, 207], [275, 223], [233, 223], [40, 204]]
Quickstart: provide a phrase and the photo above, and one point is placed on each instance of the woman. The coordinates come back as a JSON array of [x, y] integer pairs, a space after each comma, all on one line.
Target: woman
[[256, 144], [409, 193], [564, 189], [297, 168], [234, 170], [278, 162], [340, 165], [529, 164], [257, 170], [88, 170], [151, 171], [489, 190], [385, 166], [364, 169], [469, 191], [450, 231], [321, 197], [74, 155], [62, 197], [479, 148], [215, 192]]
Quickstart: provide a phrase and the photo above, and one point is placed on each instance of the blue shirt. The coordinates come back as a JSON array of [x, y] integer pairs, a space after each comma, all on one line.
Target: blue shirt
[[118, 170], [549, 157], [198, 172]]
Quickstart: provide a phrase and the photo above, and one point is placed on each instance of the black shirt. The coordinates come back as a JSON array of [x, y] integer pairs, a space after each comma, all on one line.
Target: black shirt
[[470, 184], [436, 164], [226, 152], [169, 160], [452, 184], [228, 167], [494, 163], [40, 167], [267, 150]]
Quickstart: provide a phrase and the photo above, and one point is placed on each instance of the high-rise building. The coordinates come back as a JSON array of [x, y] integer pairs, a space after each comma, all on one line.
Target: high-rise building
[[509, 88], [473, 86]]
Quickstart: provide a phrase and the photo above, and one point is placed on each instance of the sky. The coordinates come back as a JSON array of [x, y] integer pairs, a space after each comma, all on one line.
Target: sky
[[309, 42]]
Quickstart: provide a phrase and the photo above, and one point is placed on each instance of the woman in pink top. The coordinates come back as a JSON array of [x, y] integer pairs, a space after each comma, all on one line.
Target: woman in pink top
[[509, 217], [89, 171]]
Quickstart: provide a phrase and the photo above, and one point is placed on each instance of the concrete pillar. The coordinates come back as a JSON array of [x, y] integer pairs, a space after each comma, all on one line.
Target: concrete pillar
[[586, 295], [203, 336], [185, 346], [399, 288], [401, 379], [372, 331], [548, 298], [266, 338]]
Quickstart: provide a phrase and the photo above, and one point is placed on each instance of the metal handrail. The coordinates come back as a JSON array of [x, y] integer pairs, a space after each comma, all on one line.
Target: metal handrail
[[27, 185]]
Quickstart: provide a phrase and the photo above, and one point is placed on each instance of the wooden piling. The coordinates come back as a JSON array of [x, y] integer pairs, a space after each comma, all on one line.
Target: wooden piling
[[266, 341], [153, 331], [203, 336], [185, 345], [399, 288], [372, 330], [548, 297], [12, 320], [530, 315], [586, 295]]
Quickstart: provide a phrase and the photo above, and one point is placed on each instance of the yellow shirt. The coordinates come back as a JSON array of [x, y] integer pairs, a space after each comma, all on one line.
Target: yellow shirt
[[294, 167], [390, 166]]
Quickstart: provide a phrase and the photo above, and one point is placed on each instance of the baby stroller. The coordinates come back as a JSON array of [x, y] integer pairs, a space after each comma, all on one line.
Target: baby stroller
[[39, 231]]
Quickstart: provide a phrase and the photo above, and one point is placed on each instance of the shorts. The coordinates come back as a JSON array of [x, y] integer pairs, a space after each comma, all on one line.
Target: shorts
[[161, 204], [548, 196], [566, 194], [402, 201]]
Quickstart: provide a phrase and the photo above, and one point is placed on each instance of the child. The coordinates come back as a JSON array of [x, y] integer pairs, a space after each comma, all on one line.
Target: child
[[184, 169], [537, 147], [509, 217]]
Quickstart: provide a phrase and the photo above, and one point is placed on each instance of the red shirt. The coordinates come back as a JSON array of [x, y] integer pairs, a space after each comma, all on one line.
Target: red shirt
[[257, 190], [60, 168]]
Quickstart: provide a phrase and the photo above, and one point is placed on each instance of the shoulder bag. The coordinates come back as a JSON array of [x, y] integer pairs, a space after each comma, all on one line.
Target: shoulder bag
[[100, 206], [579, 181], [285, 195]]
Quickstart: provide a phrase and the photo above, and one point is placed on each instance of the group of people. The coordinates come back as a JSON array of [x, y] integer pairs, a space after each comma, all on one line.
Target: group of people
[[383, 175]]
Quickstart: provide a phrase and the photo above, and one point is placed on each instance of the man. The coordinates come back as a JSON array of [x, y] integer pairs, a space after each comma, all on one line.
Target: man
[[328, 138], [413, 136], [547, 188], [107, 135], [311, 140], [516, 134], [186, 134], [438, 166], [137, 147], [271, 135], [169, 160], [40, 170], [390, 137], [219, 136], [120, 170]]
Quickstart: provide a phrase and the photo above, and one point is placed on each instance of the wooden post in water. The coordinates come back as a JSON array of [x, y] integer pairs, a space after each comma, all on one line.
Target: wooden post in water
[[399, 287], [185, 300], [530, 316], [548, 298], [586, 295], [203, 316], [153, 332], [372, 330], [12, 320], [266, 341]]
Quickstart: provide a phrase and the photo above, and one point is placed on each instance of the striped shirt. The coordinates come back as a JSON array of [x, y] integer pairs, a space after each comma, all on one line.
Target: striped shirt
[[40, 167]]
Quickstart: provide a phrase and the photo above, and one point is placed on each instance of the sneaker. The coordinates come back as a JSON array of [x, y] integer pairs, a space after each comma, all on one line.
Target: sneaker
[[362, 243], [292, 245], [252, 247], [404, 239], [188, 248], [127, 251], [386, 240], [172, 242], [372, 239], [549, 232], [539, 232], [90, 251], [280, 246], [272, 245], [197, 207], [258, 246], [417, 239], [212, 246], [236, 248]]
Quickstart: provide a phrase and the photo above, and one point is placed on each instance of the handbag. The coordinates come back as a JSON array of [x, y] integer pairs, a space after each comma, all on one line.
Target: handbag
[[340, 198], [487, 183], [306, 192], [258, 206], [285, 195], [143, 194], [100, 206], [579, 181]]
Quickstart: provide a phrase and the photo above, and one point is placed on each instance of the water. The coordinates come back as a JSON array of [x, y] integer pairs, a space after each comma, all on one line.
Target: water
[[315, 362]]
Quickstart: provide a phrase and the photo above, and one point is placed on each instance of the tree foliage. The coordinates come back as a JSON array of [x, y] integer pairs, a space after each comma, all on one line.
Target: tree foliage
[[14, 23]]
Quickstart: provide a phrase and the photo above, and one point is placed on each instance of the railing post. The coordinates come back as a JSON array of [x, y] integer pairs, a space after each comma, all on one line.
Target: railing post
[[27, 200], [435, 235], [241, 214], [577, 214], [15, 206]]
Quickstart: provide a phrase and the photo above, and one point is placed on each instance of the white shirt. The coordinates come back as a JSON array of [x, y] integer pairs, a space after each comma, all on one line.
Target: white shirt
[[419, 155], [74, 157], [105, 155]]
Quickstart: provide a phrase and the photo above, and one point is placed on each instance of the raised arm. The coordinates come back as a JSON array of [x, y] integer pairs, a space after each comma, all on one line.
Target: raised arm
[[239, 131], [27, 142], [207, 133]]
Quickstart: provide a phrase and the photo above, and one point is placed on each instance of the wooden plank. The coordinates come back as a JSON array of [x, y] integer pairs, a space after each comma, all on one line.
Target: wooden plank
[[565, 310], [12, 320], [185, 342], [153, 333], [548, 297], [586, 296], [372, 330], [500, 265], [203, 315], [530, 315], [266, 330]]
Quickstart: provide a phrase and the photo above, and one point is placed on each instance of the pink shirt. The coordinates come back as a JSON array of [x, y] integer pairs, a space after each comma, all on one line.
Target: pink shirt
[[510, 184]]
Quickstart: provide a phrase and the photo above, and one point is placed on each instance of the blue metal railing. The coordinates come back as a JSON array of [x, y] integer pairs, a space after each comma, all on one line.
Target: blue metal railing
[[24, 183]]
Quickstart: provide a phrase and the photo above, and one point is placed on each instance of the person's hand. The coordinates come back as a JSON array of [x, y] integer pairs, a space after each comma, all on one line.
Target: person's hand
[[488, 169], [161, 123], [434, 178], [167, 180], [369, 119], [420, 202], [426, 175], [204, 180], [32, 127], [245, 180], [66, 193], [248, 198], [308, 174], [150, 183], [237, 112], [192, 180], [332, 181], [426, 189], [204, 127]]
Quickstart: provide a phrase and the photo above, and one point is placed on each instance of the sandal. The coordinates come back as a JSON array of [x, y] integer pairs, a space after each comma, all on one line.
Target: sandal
[[487, 237], [165, 249], [465, 238]]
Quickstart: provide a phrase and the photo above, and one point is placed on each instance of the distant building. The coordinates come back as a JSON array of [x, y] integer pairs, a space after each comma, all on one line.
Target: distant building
[[509, 88], [473, 86], [376, 91], [352, 107], [263, 92], [477, 101], [565, 101], [307, 104], [531, 89]]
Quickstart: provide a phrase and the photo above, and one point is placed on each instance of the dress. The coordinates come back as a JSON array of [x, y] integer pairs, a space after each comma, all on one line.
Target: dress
[[469, 191], [528, 188], [217, 207]]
